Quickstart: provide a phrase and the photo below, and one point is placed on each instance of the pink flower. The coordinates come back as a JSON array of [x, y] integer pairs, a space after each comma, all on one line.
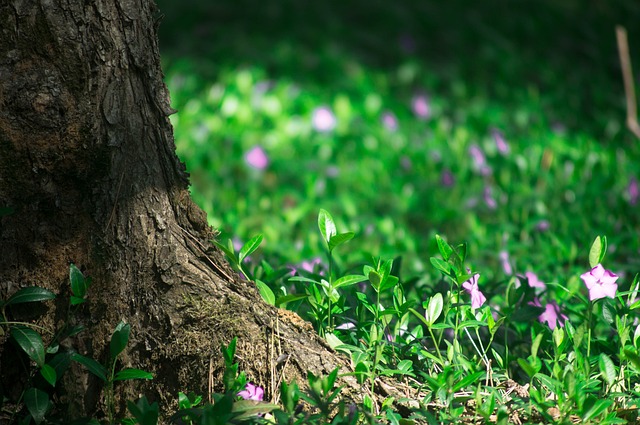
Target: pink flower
[[479, 160], [390, 121], [446, 178], [552, 316], [420, 107], [543, 225], [323, 119], [506, 265], [489, 200], [257, 158], [533, 281], [501, 143], [252, 392], [633, 191], [471, 286], [600, 283]]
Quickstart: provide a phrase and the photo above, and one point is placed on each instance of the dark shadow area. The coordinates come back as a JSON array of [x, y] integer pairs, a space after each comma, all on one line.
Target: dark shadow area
[[497, 47]]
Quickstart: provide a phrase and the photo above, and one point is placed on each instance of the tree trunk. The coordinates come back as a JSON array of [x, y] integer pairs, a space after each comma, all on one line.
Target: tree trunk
[[89, 172]]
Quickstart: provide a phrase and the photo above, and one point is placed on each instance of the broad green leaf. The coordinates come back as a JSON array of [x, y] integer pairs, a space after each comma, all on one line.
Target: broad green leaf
[[91, 365], [31, 342], [388, 283], [79, 284], [527, 367], [375, 279], [76, 300], [419, 316], [599, 406], [535, 345], [326, 225], [145, 413], [131, 373], [249, 408], [469, 379], [250, 247], [228, 250], [30, 294], [290, 298], [266, 292], [49, 374], [444, 248], [434, 308], [595, 253], [339, 239], [119, 339], [607, 369], [633, 357], [303, 279], [37, 403], [442, 266], [348, 280]]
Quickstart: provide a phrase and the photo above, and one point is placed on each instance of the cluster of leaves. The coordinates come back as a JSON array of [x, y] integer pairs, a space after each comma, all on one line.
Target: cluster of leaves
[[53, 359]]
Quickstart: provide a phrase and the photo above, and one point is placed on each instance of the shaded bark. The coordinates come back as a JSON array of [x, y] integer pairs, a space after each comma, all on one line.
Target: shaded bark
[[89, 171]]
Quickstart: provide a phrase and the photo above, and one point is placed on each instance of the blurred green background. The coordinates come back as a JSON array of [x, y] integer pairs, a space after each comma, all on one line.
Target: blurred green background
[[498, 123]]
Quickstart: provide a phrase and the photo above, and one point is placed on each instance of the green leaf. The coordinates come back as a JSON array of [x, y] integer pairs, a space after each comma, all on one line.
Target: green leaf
[[266, 292], [599, 406], [250, 247], [49, 374], [348, 280], [388, 283], [290, 298], [434, 308], [79, 284], [596, 252], [442, 266], [145, 413], [375, 279], [119, 339], [29, 295], [535, 345], [92, 366], [444, 248], [419, 316], [228, 250], [37, 403], [31, 342], [249, 408], [326, 225], [527, 367], [633, 357], [339, 239], [131, 373], [607, 369], [76, 300]]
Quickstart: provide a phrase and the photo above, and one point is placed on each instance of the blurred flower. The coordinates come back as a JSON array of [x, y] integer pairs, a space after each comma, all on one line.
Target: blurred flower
[[489, 200], [551, 314], [257, 158], [323, 119], [420, 107], [407, 43], [533, 281], [543, 225], [633, 191], [252, 392], [308, 266], [405, 162], [237, 243], [506, 265], [390, 121], [346, 326], [479, 160], [447, 178], [332, 171], [471, 286], [501, 143], [600, 283]]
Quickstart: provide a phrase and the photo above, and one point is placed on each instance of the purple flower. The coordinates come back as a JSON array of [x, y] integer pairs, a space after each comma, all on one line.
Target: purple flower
[[420, 107], [600, 283], [633, 191], [489, 200], [257, 158], [252, 392], [533, 281], [551, 314], [501, 143], [506, 265], [479, 160], [390, 121], [446, 178], [543, 225], [471, 286], [323, 119]]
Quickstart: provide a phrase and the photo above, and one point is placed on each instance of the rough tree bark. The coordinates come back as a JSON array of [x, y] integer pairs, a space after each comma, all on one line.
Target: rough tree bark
[[88, 168]]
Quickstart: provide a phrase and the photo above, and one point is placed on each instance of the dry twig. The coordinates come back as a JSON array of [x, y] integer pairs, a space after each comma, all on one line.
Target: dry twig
[[627, 75]]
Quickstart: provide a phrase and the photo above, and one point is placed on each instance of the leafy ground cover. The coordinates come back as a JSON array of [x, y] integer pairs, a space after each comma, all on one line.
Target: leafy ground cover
[[501, 131]]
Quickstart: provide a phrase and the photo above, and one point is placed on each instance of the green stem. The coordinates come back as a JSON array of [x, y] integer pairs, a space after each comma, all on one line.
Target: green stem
[[437, 344], [589, 318]]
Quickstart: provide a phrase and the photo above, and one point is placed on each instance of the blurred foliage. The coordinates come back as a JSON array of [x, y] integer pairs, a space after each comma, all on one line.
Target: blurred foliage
[[247, 74]]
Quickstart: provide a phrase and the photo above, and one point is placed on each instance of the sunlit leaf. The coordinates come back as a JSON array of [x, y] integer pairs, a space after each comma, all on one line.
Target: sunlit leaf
[[30, 341], [250, 247]]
